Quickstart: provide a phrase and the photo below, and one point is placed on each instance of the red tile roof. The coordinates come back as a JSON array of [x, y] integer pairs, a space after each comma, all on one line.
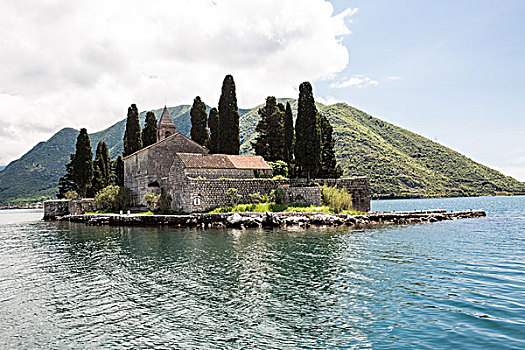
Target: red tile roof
[[222, 161]]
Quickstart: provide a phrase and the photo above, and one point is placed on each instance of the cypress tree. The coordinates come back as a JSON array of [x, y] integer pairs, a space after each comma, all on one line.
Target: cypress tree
[[119, 171], [270, 139], [67, 182], [133, 134], [289, 137], [83, 163], [329, 167], [101, 168], [307, 132], [149, 133], [213, 124], [229, 141], [199, 120]]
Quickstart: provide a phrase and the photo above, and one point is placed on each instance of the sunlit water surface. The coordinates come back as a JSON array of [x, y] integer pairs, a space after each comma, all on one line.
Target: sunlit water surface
[[452, 284]]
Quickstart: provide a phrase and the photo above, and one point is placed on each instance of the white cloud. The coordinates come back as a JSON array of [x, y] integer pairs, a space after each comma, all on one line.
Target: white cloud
[[82, 63], [358, 81], [328, 100]]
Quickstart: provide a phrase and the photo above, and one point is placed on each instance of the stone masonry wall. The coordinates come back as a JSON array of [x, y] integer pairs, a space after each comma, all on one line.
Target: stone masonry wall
[[55, 208]]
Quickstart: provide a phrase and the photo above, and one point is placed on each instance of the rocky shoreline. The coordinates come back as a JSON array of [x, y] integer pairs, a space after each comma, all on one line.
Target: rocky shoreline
[[242, 220]]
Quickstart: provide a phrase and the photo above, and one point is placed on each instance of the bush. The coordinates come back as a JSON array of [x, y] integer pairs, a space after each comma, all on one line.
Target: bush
[[336, 198], [279, 168], [152, 200], [71, 195], [233, 195], [256, 197], [112, 198], [277, 196]]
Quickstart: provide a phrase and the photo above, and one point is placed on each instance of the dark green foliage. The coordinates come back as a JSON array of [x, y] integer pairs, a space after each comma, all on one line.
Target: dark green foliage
[[279, 168], [213, 123], [133, 134], [199, 121], [399, 162], [269, 142], [83, 163], [113, 198], [229, 141], [289, 136], [101, 168], [67, 182], [329, 167], [307, 132], [149, 133], [119, 171]]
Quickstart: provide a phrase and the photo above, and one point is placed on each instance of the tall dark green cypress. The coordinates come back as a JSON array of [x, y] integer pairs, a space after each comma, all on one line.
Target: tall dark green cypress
[[229, 141], [119, 171], [149, 133], [83, 163], [133, 134], [101, 168], [199, 121], [289, 137], [270, 139], [67, 182], [213, 124], [329, 167], [307, 132]]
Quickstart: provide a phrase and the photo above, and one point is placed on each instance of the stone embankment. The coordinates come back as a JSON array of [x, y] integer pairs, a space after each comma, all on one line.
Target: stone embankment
[[240, 220]]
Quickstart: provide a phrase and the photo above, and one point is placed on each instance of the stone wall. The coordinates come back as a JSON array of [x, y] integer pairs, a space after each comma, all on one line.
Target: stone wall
[[56, 208], [358, 187]]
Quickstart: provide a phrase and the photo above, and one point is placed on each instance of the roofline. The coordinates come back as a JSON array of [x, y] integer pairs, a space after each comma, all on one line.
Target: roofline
[[223, 154], [165, 139]]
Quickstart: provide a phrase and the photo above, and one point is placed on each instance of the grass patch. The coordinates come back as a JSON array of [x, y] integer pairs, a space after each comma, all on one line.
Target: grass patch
[[338, 199], [284, 207]]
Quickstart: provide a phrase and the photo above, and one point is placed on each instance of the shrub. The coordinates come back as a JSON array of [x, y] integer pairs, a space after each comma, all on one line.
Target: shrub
[[256, 197], [277, 196], [233, 195], [113, 198], [71, 195], [336, 198], [152, 200], [279, 168]]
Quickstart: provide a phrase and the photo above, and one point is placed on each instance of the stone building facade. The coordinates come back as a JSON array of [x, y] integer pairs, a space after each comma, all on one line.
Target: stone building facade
[[197, 181]]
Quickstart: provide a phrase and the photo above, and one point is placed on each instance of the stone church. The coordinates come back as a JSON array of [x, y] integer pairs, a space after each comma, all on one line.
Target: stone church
[[197, 181]]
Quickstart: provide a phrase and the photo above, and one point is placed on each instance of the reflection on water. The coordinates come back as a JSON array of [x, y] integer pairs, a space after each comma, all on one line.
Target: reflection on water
[[454, 284]]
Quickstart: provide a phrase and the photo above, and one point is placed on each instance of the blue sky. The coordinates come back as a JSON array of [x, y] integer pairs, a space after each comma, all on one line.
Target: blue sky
[[453, 71]]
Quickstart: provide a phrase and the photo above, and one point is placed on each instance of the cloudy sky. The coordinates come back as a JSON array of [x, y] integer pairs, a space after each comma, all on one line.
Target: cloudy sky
[[452, 70]]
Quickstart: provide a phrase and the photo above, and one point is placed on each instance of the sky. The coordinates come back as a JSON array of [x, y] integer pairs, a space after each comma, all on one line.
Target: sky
[[450, 70]]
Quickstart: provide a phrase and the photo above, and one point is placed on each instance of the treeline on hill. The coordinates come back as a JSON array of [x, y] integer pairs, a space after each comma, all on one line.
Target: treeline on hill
[[304, 151]]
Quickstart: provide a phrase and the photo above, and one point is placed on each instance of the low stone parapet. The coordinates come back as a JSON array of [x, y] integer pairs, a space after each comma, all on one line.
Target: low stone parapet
[[63, 207]]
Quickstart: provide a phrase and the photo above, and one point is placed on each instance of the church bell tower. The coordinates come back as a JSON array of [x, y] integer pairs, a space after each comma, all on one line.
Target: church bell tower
[[166, 126]]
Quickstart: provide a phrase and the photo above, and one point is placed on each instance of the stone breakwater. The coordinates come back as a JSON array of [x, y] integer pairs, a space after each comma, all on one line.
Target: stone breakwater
[[242, 220]]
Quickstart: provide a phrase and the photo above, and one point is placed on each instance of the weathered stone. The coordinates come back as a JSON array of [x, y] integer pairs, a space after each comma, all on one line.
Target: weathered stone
[[271, 219]]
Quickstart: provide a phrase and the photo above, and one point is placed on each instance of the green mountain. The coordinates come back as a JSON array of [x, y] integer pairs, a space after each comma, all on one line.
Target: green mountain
[[399, 163]]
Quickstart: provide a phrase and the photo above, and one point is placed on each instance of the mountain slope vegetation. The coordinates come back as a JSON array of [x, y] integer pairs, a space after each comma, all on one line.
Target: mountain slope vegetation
[[399, 163]]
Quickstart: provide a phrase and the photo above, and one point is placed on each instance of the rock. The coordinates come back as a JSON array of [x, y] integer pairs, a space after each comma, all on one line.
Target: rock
[[296, 220], [326, 219], [270, 219], [234, 220]]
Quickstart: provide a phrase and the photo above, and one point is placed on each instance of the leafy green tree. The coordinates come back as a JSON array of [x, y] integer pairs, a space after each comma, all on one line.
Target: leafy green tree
[[83, 163], [199, 120], [329, 167], [67, 182], [101, 168], [229, 141], [213, 124], [149, 133], [269, 142], [307, 132], [119, 171], [133, 133], [289, 137]]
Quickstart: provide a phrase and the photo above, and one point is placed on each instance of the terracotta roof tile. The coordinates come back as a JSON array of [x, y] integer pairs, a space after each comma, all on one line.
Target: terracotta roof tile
[[222, 161]]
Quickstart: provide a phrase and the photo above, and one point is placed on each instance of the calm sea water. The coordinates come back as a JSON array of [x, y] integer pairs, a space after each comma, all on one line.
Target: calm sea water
[[453, 284]]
